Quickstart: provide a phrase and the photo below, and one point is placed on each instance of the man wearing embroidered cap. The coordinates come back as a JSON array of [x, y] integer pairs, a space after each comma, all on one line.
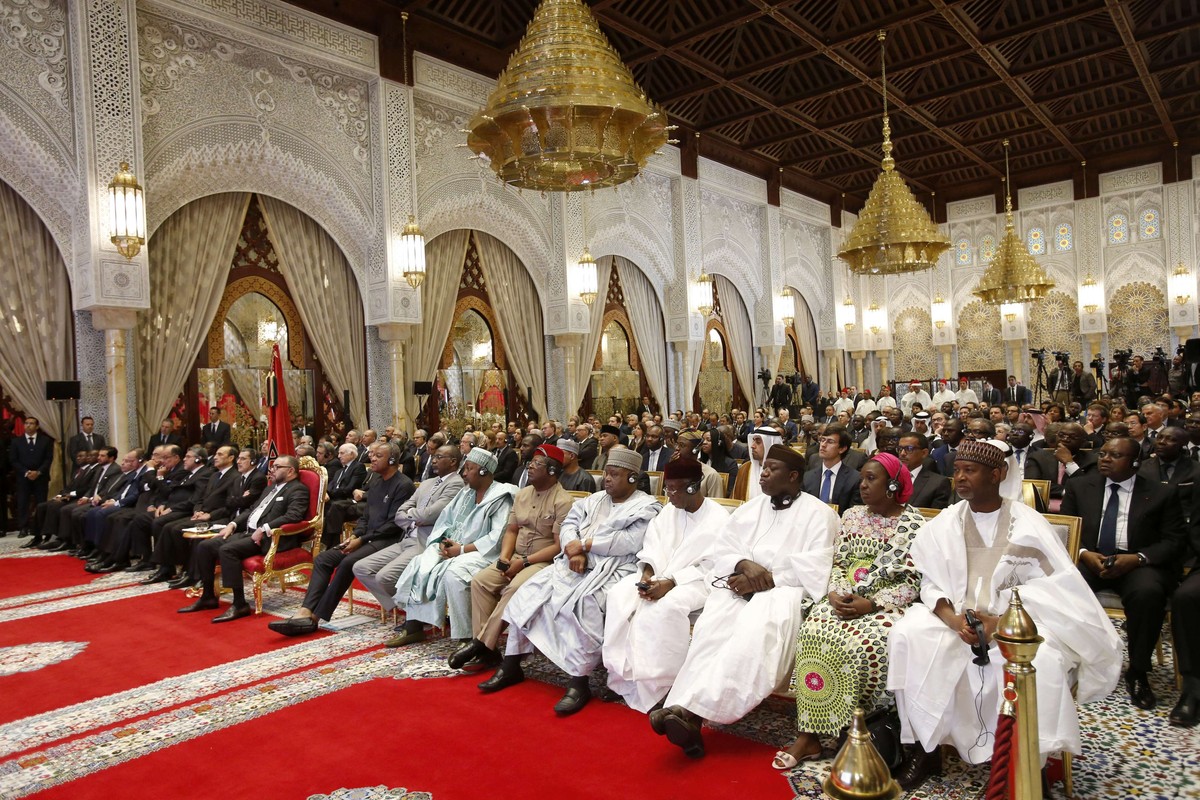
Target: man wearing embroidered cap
[[574, 478], [971, 556], [771, 558], [647, 624], [560, 610], [671, 429], [464, 540], [529, 544]]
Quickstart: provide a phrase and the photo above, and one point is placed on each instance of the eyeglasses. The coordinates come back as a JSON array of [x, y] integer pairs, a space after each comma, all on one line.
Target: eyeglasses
[[908, 448]]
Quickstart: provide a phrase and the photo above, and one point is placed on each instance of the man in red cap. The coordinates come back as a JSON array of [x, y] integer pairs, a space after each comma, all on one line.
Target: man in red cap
[[528, 545], [647, 626]]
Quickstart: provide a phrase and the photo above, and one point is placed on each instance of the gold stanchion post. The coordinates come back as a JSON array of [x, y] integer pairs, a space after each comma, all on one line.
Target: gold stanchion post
[[858, 771], [1017, 636]]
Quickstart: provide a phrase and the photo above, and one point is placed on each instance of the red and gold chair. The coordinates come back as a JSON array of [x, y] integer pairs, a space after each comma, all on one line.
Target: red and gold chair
[[292, 566]]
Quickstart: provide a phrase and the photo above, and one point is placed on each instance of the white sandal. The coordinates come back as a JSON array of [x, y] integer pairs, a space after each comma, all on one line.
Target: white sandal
[[784, 760]]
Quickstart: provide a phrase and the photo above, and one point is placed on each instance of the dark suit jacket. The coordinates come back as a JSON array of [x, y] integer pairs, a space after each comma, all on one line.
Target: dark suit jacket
[[244, 495], [663, 459], [1083, 388], [941, 459], [158, 439], [102, 479], [220, 437], [851, 458], [1183, 476], [506, 466], [79, 442], [290, 505], [1018, 394], [930, 490], [384, 498], [24, 456], [212, 499], [1156, 527], [845, 486], [589, 448], [993, 396], [116, 489], [349, 478]]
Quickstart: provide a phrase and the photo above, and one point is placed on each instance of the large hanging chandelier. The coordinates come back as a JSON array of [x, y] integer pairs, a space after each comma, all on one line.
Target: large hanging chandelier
[[894, 232], [1013, 276], [566, 113]]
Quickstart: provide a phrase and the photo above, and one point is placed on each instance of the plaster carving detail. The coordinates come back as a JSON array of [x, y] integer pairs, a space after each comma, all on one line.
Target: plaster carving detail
[[725, 179], [1050, 194], [1133, 178], [733, 226], [966, 209]]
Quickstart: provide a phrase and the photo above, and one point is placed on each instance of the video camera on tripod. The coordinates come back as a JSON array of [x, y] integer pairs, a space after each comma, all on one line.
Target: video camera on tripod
[[1039, 354]]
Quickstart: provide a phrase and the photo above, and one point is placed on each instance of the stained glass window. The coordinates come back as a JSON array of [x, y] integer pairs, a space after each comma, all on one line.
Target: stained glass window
[[1118, 229], [987, 249], [1037, 242], [1062, 238], [1150, 227], [962, 252]]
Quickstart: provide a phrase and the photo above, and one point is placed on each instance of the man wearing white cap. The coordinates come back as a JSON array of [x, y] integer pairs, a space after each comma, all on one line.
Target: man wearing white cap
[[464, 540], [574, 478], [671, 429], [560, 610], [916, 394]]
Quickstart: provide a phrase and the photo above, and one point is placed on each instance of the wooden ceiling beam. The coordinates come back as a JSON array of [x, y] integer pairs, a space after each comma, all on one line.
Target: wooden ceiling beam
[[1124, 24]]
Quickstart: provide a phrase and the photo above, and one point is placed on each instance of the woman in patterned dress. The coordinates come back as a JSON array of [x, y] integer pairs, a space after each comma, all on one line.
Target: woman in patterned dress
[[841, 652]]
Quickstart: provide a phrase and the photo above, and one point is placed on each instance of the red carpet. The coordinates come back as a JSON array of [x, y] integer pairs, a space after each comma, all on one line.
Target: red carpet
[[441, 736], [130, 642], [20, 576]]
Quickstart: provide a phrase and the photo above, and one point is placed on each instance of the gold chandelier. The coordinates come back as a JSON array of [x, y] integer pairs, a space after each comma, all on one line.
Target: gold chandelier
[[1013, 276], [566, 113], [894, 232]]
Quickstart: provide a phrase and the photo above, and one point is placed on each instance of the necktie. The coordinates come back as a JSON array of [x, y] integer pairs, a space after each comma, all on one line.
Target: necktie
[[1195, 453], [826, 486], [252, 523], [1020, 457], [1062, 472], [89, 440], [1153, 435], [1108, 525], [30, 438], [1167, 469]]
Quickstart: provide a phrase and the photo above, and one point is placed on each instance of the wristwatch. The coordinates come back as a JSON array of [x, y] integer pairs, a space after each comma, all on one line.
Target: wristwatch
[[1142, 559], [525, 561]]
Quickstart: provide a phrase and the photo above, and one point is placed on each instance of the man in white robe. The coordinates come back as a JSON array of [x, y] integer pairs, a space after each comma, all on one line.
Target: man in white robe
[[771, 560], [965, 393], [844, 403], [464, 540], [916, 394], [971, 556], [560, 610], [943, 395], [647, 625]]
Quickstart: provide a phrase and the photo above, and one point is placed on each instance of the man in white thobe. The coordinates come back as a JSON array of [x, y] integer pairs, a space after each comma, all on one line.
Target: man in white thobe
[[772, 559], [464, 540], [965, 393], [971, 556], [560, 610], [943, 395], [916, 394], [647, 624]]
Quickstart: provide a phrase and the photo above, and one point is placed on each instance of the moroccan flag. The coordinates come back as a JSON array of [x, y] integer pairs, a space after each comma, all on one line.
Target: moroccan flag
[[279, 418]]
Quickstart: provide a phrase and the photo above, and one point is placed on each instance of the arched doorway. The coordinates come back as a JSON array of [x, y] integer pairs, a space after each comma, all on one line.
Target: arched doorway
[[716, 388], [617, 382], [473, 377]]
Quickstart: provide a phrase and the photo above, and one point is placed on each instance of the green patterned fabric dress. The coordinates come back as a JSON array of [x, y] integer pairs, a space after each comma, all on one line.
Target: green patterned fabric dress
[[841, 664]]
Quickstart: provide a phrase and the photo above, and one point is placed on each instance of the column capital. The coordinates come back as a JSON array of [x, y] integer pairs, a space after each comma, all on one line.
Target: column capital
[[394, 331], [114, 319], [568, 339]]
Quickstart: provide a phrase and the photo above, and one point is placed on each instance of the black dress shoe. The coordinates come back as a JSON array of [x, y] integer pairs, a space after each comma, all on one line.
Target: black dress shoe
[[296, 626], [577, 696], [918, 767], [509, 674], [658, 720], [234, 612], [487, 659], [203, 604], [1186, 712], [141, 566], [683, 731], [94, 567], [161, 575], [34, 542], [1140, 693], [112, 568], [49, 544], [184, 581], [464, 654]]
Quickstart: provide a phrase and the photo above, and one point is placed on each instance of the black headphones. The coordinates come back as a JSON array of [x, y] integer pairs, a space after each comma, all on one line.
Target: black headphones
[[633, 478], [552, 468], [1136, 462], [692, 488], [893, 485]]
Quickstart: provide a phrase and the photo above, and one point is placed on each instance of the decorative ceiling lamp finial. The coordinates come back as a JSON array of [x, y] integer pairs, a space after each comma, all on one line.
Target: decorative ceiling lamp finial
[[894, 233], [566, 113], [1013, 276]]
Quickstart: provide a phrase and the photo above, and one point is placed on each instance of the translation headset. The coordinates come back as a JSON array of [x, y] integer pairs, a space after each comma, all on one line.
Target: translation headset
[[893, 485], [552, 468], [632, 477], [693, 487]]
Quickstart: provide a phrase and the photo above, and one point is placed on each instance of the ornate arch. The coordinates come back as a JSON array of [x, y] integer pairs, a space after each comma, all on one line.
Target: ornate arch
[[978, 335], [618, 316], [273, 292], [471, 302], [1137, 318]]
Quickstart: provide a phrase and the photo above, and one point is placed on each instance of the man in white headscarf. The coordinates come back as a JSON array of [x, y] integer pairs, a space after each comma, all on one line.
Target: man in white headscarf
[[761, 440]]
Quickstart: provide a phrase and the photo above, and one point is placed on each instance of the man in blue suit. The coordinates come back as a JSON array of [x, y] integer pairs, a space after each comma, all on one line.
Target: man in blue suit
[[30, 456]]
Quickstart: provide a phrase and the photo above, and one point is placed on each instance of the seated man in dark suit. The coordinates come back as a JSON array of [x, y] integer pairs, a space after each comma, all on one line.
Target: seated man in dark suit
[[507, 459], [656, 453], [175, 502], [208, 507], [943, 456], [340, 505], [930, 488], [45, 516], [333, 570], [88, 522], [1169, 464], [1132, 541], [834, 481], [285, 502]]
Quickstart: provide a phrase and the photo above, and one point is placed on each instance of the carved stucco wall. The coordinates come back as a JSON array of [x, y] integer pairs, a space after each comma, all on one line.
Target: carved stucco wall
[[230, 107], [979, 345], [1054, 323], [914, 358], [1137, 318]]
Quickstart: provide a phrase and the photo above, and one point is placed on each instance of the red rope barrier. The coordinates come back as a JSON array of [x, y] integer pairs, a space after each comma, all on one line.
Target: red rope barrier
[[998, 781]]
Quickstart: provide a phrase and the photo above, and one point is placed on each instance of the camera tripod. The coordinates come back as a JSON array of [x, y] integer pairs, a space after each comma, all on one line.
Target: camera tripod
[[1040, 380]]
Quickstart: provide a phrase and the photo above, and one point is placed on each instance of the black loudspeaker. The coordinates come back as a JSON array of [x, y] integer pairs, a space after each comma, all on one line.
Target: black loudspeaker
[[62, 390], [423, 387]]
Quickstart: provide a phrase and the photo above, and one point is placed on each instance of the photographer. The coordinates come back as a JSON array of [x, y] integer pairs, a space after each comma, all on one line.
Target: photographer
[[1083, 385], [781, 392], [1058, 383], [1136, 377]]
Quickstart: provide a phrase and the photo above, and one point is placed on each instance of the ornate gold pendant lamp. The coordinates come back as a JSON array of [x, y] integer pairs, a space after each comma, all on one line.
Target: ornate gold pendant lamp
[[894, 233], [1013, 276], [566, 113]]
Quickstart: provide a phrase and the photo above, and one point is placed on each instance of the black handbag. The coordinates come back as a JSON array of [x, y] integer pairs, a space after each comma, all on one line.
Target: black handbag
[[884, 726]]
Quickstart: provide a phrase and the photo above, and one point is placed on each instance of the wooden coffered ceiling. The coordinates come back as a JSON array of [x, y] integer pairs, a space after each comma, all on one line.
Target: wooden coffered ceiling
[[793, 85]]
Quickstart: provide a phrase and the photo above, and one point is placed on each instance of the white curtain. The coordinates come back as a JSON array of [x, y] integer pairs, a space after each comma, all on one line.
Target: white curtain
[[647, 318], [806, 334], [36, 342], [519, 315], [741, 340], [444, 258], [591, 340], [322, 285], [190, 256]]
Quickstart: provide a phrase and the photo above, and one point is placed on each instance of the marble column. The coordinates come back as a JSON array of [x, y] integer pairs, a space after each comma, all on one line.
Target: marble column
[[395, 336], [115, 322], [858, 356], [946, 351], [883, 366]]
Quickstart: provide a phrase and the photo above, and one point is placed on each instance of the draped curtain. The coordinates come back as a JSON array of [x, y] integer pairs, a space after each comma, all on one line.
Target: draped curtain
[[248, 383], [444, 258], [36, 341], [591, 340], [322, 285], [806, 334], [190, 255], [741, 340], [519, 315], [647, 318], [693, 354]]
